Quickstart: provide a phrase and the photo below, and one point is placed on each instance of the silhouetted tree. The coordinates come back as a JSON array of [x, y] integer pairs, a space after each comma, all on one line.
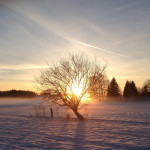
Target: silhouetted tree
[[130, 90], [147, 83], [113, 89], [126, 92], [99, 87], [68, 81], [134, 89], [146, 89]]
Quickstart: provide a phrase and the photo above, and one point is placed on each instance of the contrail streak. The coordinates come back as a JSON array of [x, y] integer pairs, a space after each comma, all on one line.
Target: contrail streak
[[98, 48]]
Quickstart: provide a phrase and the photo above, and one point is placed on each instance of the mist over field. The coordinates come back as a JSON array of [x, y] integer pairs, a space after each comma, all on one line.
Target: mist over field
[[108, 125]]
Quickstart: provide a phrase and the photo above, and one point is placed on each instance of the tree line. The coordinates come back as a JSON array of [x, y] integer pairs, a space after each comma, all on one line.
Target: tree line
[[17, 93], [112, 89]]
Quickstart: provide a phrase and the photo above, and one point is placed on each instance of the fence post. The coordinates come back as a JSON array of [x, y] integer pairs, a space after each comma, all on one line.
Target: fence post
[[51, 110]]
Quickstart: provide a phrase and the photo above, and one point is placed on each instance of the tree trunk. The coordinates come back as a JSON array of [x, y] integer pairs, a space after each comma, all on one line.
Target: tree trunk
[[79, 116]]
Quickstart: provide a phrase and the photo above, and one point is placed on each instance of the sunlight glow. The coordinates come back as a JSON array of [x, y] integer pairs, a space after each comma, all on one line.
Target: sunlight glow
[[76, 88]]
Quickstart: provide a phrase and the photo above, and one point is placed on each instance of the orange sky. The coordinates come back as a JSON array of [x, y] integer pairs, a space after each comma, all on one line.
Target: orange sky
[[33, 32]]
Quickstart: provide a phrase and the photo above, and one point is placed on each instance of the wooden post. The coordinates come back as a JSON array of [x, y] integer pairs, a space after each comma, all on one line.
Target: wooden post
[[51, 110]]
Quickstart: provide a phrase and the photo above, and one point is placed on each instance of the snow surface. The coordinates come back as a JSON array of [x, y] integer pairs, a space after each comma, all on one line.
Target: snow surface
[[108, 126]]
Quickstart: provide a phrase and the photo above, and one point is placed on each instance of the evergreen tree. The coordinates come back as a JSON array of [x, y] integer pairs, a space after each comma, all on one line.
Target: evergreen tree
[[126, 91], [113, 89], [130, 90], [134, 89]]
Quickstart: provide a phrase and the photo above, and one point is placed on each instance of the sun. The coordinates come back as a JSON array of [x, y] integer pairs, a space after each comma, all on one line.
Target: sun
[[77, 89]]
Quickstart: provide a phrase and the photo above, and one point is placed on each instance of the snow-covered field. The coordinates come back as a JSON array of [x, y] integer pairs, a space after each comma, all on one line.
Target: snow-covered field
[[108, 126]]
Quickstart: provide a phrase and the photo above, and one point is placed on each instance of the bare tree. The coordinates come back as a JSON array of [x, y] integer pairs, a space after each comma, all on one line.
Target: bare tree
[[147, 83], [67, 82], [145, 91], [100, 87]]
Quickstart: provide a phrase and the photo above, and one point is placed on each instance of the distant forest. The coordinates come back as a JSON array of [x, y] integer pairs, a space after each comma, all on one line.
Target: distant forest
[[102, 89], [111, 89], [18, 93]]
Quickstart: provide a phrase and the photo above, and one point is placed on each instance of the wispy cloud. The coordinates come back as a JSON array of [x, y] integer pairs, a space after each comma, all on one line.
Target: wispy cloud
[[131, 5], [101, 49], [53, 26], [21, 67]]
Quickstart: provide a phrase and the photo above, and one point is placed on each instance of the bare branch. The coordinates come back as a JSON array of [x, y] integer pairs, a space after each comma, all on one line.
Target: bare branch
[[58, 81]]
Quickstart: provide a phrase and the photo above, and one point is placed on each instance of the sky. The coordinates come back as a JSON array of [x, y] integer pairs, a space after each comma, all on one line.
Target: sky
[[33, 32]]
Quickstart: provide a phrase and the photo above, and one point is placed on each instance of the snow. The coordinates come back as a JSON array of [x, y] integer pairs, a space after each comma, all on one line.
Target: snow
[[116, 126]]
